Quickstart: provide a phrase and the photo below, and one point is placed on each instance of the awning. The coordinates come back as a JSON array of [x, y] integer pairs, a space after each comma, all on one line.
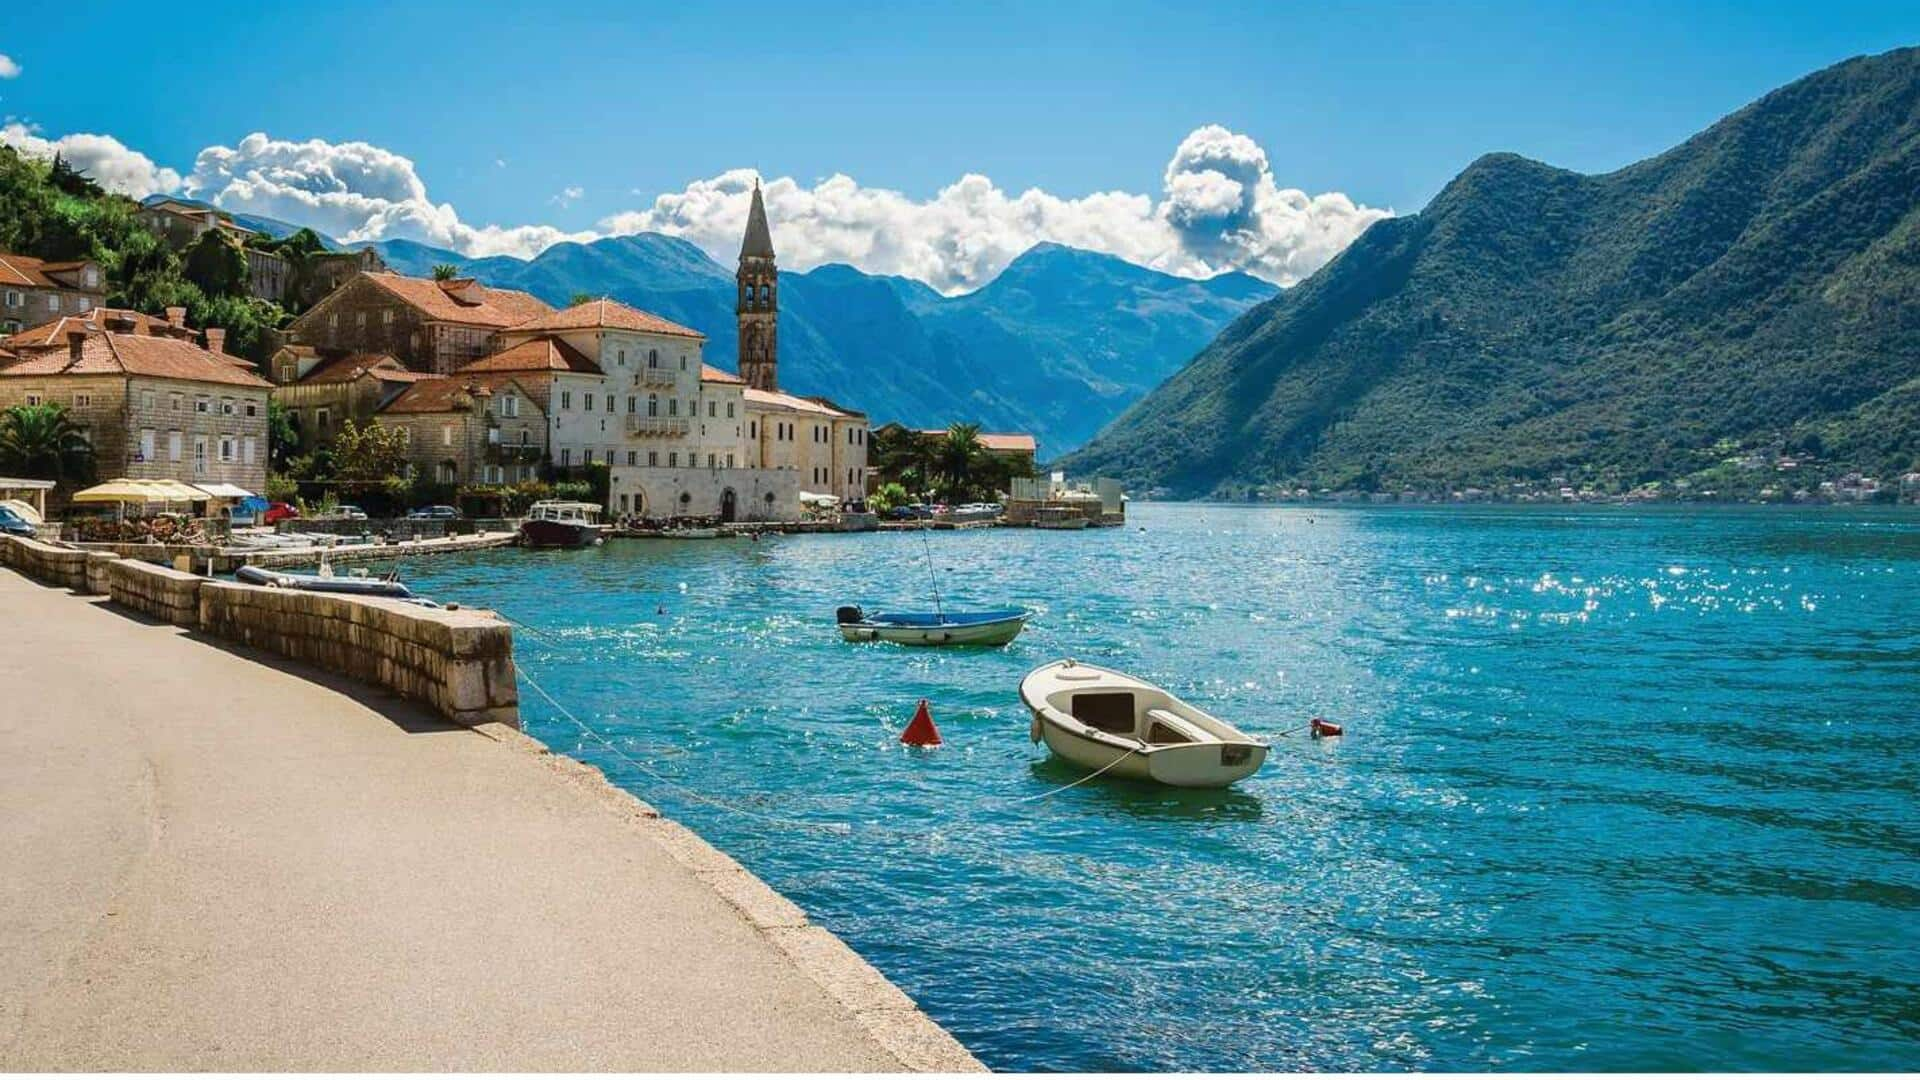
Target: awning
[[809, 498], [124, 490], [225, 491]]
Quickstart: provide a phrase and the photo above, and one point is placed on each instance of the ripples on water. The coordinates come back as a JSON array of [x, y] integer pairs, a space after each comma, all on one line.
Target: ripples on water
[[1621, 790]]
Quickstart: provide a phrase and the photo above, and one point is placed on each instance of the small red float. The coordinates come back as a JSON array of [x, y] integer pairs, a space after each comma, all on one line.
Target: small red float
[[1321, 729], [920, 730]]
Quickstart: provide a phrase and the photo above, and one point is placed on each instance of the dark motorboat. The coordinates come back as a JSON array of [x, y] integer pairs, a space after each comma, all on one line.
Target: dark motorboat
[[555, 524]]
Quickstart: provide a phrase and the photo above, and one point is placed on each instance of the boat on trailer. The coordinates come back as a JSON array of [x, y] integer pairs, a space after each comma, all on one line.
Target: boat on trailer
[[553, 523], [933, 627], [1117, 725]]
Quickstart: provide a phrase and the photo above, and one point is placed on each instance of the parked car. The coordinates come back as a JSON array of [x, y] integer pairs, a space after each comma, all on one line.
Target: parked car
[[12, 524], [345, 512], [915, 512], [279, 512], [433, 513]]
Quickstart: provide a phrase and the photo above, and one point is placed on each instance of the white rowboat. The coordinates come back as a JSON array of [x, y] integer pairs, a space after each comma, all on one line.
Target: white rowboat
[[933, 628], [1121, 726]]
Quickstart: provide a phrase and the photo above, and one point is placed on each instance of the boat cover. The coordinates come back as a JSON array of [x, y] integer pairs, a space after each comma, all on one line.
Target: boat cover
[[950, 618]]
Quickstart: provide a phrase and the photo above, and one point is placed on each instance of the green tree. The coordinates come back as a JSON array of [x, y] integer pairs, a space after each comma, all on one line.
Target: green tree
[[581, 298], [887, 496], [368, 454], [445, 271], [42, 442], [957, 456], [283, 438], [216, 265]]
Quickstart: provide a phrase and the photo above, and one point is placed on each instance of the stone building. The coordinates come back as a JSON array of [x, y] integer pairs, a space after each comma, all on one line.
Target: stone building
[[1017, 448], [614, 380], [154, 405], [320, 395], [469, 428], [433, 326], [748, 449], [34, 291], [181, 224]]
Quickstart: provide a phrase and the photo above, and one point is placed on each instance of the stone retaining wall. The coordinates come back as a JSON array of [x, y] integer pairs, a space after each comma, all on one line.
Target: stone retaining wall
[[458, 662], [45, 562], [165, 594]]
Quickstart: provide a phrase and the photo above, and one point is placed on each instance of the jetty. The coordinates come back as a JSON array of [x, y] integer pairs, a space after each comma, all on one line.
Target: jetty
[[219, 859]]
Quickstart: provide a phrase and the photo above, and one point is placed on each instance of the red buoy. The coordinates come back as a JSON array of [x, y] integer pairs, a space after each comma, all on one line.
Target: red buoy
[[1321, 729], [920, 730]]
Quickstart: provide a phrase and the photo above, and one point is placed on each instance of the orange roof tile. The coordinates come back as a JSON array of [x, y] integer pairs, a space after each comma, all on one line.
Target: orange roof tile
[[611, 315], [53, 332], [795, 403], [709, 373], [537, 354], [137, 354], [349, 367], [437, 395], [497, 308], [1005, 442], [29, 271]]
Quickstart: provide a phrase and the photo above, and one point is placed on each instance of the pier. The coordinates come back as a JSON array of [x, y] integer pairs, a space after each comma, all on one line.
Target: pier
[[221, 860]]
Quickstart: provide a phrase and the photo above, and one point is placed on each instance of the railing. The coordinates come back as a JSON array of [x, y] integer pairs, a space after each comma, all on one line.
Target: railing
[[512, 454], [658, 425], [658, 376]]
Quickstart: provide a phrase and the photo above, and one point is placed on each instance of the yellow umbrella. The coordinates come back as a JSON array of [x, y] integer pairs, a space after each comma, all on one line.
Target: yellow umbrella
[[116, 491]]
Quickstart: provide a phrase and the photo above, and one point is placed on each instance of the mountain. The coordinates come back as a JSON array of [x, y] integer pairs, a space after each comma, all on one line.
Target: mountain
[[1756, 287], [1058, 344]]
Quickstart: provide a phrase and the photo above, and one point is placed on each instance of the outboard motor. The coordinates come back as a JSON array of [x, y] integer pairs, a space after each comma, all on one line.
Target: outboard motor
[[849, 614]]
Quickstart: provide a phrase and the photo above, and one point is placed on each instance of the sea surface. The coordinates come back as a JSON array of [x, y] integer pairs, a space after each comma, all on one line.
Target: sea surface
[[1620, 789]]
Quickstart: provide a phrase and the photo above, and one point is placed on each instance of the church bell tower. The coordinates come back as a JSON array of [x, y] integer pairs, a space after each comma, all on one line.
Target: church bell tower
[[758, 306]]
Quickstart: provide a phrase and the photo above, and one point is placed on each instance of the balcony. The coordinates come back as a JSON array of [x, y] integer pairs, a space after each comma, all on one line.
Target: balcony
[[658, 426], [658, 376], [512, 454]]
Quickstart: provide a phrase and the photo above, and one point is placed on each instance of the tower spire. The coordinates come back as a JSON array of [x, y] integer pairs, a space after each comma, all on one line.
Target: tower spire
[[758, 305]]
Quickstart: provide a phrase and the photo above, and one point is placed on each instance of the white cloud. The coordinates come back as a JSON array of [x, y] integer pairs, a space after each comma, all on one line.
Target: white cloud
[[9, 68], [354, 191], [1221, 209], [104, 158]]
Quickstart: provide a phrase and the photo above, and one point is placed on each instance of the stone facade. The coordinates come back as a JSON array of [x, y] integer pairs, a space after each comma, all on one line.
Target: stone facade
[[433, 326], [33, 291], [180, 224], [469, 430], [719, 493], [320, 396]]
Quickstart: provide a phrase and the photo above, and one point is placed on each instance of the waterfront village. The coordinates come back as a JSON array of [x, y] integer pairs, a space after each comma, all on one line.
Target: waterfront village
[[389, 393]]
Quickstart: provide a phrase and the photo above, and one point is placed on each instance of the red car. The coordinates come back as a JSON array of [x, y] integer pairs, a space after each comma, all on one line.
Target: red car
[[279, 512]]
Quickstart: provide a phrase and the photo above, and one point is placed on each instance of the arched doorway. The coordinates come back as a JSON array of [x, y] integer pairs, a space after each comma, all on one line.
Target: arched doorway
[[729, 508]]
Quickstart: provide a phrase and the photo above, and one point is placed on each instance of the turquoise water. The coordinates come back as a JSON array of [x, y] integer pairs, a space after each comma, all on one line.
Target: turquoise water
[[1621, 789]]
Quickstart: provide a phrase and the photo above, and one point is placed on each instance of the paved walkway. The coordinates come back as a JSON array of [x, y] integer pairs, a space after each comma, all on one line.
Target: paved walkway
[[214, 863]]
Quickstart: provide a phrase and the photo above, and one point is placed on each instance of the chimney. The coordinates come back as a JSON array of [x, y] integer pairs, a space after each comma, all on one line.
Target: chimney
[[177, 316], [216, 340], [76, 344]]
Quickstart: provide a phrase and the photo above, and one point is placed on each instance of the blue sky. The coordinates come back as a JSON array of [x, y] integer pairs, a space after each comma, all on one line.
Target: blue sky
[[622, 102]]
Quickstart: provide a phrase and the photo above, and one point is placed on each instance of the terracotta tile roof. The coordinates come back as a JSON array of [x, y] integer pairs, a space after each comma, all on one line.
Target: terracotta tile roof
[[1005, 442], [438, 394], [776, 399], [537, 354], [137, 354], [349, 367], [53, 332], [611, 315], [495, 308], [709, 373], [32, 272]]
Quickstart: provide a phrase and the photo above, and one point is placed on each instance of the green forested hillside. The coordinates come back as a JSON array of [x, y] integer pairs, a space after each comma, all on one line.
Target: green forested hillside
[[1757, 287]]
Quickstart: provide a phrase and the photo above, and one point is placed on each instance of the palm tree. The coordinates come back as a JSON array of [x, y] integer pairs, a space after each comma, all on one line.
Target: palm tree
[[957, 454], [41, 442], [445, 271]]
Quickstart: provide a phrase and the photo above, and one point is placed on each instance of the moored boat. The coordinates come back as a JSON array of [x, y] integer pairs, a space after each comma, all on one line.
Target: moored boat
[[1121, 726], [933, 627], [552, 523], [1058, 517], [328, 583]]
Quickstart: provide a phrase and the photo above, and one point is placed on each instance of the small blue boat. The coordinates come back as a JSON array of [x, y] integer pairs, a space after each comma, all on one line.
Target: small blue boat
[[933, 627]]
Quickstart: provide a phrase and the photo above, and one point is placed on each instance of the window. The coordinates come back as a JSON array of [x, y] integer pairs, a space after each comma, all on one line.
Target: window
[[53, 301], [566, 456], [609, 404], [729, 410], [202, 405], [623, 358], [146, 444], [333, 320], [633, 404], [712, 406], [710, 461], [729, 461], [199, 453], [493, 474], [387, 316], [673, 406], [253, 408], [322, 418], [173, 446], [13, 298], [146, 400], [174, 401], [226, 448], [226, 406], [673, 459], [509, 406], [446, 434], [246, 450], [81, 401], [359, 318], [566, 399], [753, 429], [653, 358], [589, 403], [653, 405], [586, 456], [653, 458], [683, 363]]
